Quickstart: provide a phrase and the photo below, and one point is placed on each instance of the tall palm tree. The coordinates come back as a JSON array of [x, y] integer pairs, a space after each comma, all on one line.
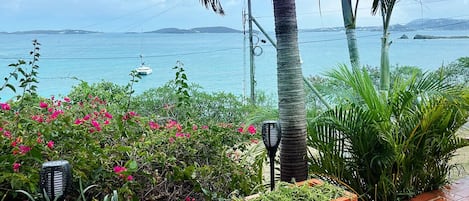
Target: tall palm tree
[[385, 7], [350, 17], [291, 96]]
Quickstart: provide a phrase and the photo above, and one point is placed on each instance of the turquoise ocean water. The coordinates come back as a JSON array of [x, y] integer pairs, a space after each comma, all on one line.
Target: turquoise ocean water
[[217, 62]]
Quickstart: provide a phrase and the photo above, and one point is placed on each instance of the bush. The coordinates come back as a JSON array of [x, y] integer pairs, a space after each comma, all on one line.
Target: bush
[[142, 157], [394, 145]]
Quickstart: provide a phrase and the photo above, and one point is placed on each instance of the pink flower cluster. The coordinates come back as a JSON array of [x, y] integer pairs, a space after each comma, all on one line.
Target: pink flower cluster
[[53, 109], [5, 106], [189, 198], [16, 167], [96, 120], [120, 170], [129, 115], [251, 129]]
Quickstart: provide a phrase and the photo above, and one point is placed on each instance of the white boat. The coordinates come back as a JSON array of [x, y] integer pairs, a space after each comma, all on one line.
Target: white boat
[[143, 69]]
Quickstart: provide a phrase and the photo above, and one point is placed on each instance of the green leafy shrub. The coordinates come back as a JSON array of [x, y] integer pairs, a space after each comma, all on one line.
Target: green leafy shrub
[[144, 158], [390, 147]]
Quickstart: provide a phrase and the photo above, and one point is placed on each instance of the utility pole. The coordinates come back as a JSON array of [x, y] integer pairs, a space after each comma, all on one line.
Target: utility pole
[[251, 55]]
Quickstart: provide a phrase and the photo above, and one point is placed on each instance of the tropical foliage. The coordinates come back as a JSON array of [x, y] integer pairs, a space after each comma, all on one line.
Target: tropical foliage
[[159, 151], [390, 147]]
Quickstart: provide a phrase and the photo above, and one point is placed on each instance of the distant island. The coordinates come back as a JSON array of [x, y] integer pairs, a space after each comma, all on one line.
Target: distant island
[[218, 29], [419, 24], [65, 31], [415, 25]]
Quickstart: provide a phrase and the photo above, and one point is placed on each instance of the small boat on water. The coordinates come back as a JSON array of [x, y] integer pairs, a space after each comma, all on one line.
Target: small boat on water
[[143, 69]]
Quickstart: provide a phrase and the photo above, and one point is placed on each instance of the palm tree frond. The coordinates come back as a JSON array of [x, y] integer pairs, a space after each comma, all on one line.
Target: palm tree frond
[[215, 5]]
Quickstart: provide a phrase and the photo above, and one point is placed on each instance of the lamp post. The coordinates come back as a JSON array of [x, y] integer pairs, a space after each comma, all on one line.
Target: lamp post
[[271, 135], [56, 179]]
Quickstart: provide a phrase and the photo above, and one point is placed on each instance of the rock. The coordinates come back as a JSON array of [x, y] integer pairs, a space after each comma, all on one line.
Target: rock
[[404, 37]]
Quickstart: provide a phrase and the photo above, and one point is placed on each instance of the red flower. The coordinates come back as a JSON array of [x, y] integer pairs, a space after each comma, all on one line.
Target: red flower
[[119, 169], [188, 198], [252, 129], [43, 105], [56, 114], [130, 178], [5, 106], [171, 140], [50, 144], [78, 121], [6, 133], [240, 129], [16, 167], [38, 118], [24, 149], [67, 99], [96, 125], [107, 115], [154, 125]]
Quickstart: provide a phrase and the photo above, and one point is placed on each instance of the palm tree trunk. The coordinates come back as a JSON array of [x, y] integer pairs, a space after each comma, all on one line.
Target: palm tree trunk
[[291, 96], [352, 47], [350, 24], [386, 7], [385, 74]]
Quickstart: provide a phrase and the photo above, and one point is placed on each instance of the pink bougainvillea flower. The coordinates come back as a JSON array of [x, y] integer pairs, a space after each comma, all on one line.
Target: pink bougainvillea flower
[[130, 178], [39, 140], [252, 129], [50, 144], [78, 121], [178, 134], [154, 125], [240, 129], [188, 135], [171, 124], [16, 167], [5, 106], [107, 115], [254, 141], [119, 169], [43, 105], [56, 113], [96, 125], [195, 127], [38, 118], [24, 149], [204, 127], [67, 99], [6, 133], [188, 198], [86, 117], [106, 122]]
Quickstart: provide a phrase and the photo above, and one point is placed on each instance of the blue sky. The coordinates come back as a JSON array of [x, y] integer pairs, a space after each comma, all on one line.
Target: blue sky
[[148, 15]]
